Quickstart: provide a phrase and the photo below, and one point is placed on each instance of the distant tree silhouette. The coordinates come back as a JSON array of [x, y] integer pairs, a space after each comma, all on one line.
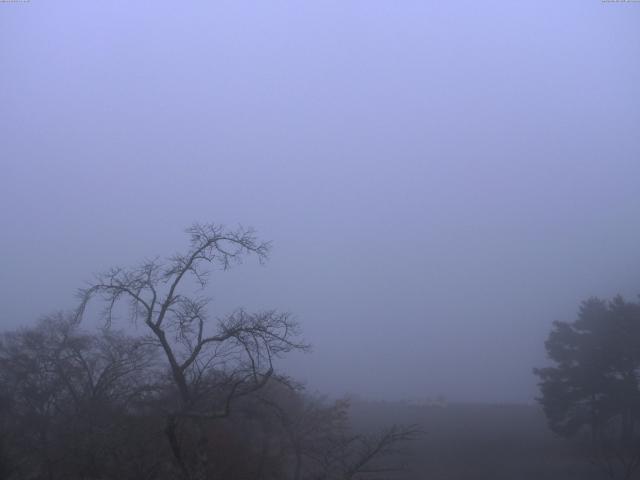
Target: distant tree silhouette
[[594, 385]]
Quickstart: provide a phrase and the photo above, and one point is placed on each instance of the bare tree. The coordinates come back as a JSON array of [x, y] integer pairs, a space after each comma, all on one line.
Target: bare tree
[[70, 400], [323, 445], [366, 456], [212, 362]]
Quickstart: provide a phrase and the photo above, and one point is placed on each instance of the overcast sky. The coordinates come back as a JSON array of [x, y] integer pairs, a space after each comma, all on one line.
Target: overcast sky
[[440, 179]]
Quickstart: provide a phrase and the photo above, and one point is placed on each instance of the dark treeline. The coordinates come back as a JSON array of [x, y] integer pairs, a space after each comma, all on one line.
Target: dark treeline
[[98, 405], [190, 398]]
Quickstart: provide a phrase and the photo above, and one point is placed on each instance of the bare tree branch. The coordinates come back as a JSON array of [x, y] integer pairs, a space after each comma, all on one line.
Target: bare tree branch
[[156, 291]]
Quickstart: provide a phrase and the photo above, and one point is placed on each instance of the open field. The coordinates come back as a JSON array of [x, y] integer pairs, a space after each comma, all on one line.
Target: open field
[[470, 441]]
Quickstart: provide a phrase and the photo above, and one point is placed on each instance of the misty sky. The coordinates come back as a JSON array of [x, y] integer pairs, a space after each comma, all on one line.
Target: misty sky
[[440, 180]]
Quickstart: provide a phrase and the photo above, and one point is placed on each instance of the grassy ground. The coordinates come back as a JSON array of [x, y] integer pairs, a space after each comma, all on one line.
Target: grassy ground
[[479, 442]]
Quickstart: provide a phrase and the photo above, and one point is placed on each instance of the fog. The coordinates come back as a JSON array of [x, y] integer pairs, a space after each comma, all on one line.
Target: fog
[[440, 180]]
